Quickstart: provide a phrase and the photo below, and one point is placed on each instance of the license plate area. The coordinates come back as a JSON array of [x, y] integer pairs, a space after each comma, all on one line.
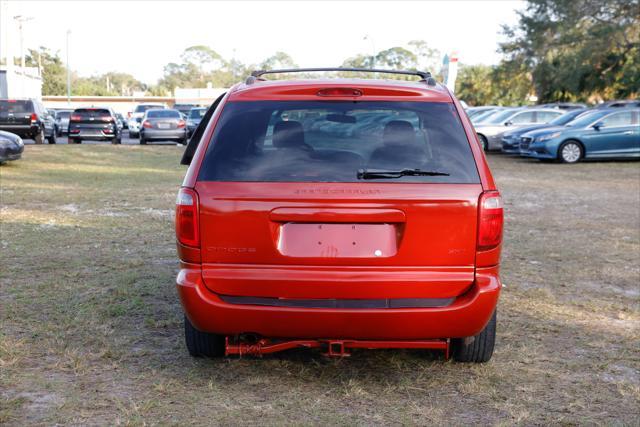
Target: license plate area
[[164, 125], [337, 240]]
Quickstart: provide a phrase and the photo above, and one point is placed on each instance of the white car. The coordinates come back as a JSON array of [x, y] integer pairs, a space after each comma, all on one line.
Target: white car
[[490, 131], [136, 117]]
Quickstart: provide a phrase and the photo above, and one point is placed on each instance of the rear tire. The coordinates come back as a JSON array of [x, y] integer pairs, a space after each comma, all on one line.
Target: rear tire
[[202, 344], [52, 139], [39, 138], [476, 349], [143, 141]]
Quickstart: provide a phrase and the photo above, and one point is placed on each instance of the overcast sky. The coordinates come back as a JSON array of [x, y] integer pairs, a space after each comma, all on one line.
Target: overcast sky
[[140, 37]]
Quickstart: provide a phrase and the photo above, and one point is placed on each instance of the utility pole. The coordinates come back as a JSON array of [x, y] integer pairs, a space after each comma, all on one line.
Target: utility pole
[[68, 72], [21, 20]]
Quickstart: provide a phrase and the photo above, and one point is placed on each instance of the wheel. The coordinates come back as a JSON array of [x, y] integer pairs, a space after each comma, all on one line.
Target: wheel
[[143, 141], [476, 349], [52, 139], [116, 140], [183, 141], [39, 138], [570, 152], [202, 343], [484, 142]]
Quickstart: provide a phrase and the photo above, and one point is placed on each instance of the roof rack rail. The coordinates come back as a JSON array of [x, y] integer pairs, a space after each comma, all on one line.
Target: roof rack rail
[[425, 76]]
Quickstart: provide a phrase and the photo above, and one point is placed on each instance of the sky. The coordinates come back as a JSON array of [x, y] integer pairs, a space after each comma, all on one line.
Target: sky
[[140, 37]]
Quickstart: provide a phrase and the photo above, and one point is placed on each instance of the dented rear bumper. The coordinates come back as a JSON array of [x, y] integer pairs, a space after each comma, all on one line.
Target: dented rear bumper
[[466, 315]]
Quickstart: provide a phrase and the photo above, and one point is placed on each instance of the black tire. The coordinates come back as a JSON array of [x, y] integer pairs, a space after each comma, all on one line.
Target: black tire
[[202, 344], [477, 349], [39, 137], [116, 141], [133, 135], [52, 139], [143, 141], [484, 142], [570, 152]]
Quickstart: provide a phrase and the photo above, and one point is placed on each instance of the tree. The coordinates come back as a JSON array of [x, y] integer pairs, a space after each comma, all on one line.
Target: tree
[[54, 73], [577, 50]]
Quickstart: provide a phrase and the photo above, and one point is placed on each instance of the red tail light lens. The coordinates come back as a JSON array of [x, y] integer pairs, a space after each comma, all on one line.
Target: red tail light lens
[[146, 124], [75, 118], [107, 130], [181, 124], [187, 231], [339, 91], [490, 220], [34, 117]]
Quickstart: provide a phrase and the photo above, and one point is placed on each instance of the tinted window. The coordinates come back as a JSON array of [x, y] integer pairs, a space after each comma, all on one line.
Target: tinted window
[[197, 113], [91, 112], [16, 107], [318, 141], [63, 114], [499, 117], [585, 120], [163, 114], [565, 118], [618, 119], [143, 108]]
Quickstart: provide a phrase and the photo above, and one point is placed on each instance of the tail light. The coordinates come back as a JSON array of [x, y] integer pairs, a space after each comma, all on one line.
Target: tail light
[[107, 130], [187, 231], [339, 91], [181, 124], [34, 118], [75, 118], [490, 220], [146, 124]]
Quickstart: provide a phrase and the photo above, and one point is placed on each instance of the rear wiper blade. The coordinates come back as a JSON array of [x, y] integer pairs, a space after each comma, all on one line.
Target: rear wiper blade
[[381, 174]]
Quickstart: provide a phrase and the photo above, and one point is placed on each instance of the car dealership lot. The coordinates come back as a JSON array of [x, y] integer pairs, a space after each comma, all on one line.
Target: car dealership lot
[[91, 328]]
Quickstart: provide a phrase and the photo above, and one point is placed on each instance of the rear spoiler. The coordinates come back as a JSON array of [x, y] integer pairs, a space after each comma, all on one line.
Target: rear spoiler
[[194, 141]]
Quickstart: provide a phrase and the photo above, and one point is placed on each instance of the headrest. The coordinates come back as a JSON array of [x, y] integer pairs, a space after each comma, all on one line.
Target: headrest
[[399, 132], [288, 134]]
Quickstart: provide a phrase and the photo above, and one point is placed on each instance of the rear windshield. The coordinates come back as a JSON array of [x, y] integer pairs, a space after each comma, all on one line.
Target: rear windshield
[[143, 108], [91, 112], [164, 114], [197, 113], [316, 141], [16, 107]]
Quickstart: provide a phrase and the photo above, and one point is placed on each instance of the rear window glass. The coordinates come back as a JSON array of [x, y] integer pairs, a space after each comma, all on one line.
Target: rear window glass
[[16, 107], [197, 113], [164, 114], [143, 108], [91, 112], [315, 141]]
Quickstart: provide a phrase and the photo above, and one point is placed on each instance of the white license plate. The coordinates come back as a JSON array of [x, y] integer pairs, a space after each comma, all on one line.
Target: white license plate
[[164, 125]]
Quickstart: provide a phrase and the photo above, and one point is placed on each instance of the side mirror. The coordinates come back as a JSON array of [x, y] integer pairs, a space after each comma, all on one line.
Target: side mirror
[[597, 125], [509, 123]]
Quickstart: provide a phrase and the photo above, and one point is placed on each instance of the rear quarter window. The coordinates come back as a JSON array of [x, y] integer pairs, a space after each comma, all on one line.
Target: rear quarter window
[[329, 141]]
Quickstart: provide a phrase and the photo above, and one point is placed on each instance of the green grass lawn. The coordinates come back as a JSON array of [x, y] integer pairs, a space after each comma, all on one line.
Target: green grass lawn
[[91, 326]]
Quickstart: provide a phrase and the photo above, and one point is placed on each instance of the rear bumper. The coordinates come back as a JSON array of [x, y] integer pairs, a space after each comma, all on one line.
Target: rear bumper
[[164, 134], [465, 316], [21, 130]]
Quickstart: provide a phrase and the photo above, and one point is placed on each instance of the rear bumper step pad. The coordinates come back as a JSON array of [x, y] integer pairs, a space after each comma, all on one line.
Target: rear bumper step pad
[[340, 303]]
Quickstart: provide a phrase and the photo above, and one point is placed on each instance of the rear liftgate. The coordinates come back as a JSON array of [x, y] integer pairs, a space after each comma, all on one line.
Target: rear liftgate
[[332, 348]]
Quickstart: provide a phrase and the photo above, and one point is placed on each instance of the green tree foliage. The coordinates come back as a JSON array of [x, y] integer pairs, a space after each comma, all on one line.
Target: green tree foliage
[[577, 49], [54, 73]]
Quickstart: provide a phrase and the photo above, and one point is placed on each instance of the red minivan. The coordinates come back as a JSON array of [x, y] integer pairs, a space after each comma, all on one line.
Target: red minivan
[[338, 214]]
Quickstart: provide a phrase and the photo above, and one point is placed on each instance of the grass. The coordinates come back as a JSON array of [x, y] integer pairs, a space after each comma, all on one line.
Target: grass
[[91, 327]]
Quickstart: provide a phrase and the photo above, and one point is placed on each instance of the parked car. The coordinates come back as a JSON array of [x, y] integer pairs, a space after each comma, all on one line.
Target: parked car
[[11, 146], [289, 238], [511, 139], [193, 119], [62, 121], [94, 124], [490, 132], [605, 133], [166, 125], [121, 121], [28, 119], [476, 111], [628, 103], [135, 120], [564, 105], [184, 108], [487, 115]]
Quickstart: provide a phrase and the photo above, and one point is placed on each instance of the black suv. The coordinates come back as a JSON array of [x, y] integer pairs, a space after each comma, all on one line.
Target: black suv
[[94, 124], [27, 118]]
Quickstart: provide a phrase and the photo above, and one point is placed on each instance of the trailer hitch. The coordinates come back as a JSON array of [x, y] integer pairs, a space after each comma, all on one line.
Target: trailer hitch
[[333, 348]]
